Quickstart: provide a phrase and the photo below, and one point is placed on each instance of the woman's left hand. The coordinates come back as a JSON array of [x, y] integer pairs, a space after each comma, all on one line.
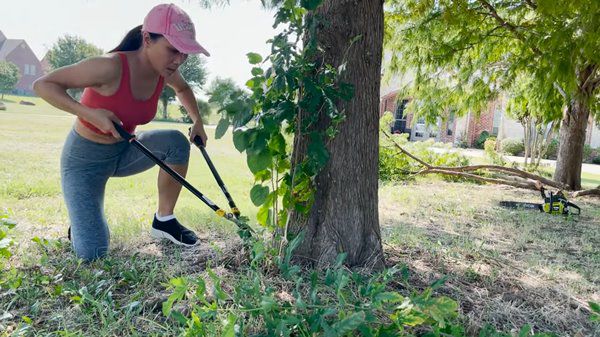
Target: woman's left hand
[[198, 130]]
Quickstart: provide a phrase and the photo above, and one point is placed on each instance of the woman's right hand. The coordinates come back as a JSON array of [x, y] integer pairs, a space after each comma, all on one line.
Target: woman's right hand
[[103, 120]]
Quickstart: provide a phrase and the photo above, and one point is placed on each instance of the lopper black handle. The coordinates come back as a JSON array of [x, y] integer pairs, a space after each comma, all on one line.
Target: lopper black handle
[[124, 134], [198, 141]]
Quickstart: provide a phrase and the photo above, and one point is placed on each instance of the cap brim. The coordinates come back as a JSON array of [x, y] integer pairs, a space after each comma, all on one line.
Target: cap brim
[[187, 46]]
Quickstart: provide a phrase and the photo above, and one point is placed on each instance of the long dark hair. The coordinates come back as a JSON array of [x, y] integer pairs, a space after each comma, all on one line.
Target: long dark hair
[[133, 40]]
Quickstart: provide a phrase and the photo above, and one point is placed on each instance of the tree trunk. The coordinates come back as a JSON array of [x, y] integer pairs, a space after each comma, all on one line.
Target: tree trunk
[[572, 133], [344, 217], [164, 108], [571, 141], [526, 140], [546, 137]]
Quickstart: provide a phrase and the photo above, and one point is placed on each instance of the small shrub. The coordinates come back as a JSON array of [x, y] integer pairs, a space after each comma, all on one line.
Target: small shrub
[[588, 153], [203, 107], [512, 146], [393, 166], [490, 151], [490, 144], [552, 151], [596, 160], [480, 141]]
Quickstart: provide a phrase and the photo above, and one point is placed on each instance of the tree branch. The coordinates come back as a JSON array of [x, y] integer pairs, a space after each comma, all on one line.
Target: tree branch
[[593, 191], [530, 185], [528, 180], [513, 28], [591, 77], [561, 91], [406, 152]]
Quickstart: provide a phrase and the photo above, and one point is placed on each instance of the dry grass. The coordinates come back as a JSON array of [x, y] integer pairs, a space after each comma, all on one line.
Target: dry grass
[[506, 268]]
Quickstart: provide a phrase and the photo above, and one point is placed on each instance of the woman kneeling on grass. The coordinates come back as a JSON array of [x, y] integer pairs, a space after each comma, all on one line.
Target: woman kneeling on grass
[[124, 86]]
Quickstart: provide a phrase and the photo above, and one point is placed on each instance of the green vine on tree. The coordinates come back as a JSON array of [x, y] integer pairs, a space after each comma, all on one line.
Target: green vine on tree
[[290, 98]]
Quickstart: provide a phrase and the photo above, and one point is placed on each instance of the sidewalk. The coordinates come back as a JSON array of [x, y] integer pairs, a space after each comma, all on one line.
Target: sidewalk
[[587, 168]]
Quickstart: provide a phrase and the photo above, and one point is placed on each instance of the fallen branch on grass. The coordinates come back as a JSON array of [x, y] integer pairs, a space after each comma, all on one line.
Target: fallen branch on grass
[[513, 176], [593, 191]]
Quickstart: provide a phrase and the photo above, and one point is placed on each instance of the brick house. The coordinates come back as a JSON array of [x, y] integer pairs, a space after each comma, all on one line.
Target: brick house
[[18, 52], [451, 129], [465, 128]]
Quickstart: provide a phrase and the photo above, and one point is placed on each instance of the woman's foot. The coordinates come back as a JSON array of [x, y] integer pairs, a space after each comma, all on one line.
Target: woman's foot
[[173, 231]]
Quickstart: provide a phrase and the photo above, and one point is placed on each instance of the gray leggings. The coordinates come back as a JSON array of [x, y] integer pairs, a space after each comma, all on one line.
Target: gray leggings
[[85, 167]]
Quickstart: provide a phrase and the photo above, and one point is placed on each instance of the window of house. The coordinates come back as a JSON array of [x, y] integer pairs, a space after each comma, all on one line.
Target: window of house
[[26, 70], [400, 110], [32, 70], [497, 118]]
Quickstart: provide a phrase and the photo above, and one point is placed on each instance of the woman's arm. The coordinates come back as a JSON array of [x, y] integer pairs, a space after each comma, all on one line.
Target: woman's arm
[[97, 72], [186, 96]]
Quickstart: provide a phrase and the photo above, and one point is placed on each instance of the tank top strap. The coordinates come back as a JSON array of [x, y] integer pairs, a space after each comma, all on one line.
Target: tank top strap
[[124, 83]]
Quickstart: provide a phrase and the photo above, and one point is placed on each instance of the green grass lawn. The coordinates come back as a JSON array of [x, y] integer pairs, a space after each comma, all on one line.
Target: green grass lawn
[[32, 141], [504, 267]]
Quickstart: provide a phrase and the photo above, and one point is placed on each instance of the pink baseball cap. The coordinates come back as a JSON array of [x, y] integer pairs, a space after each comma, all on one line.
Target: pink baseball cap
[[175, 25]]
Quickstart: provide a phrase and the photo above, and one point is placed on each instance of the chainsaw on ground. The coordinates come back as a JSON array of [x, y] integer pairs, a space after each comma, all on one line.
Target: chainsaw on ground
[[555, 204]]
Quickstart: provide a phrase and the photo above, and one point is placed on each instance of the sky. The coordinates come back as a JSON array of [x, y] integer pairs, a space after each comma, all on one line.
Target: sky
[[228, 32]]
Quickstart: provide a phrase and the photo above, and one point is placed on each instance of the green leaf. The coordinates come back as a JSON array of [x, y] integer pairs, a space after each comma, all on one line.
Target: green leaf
[[277, 143], [240, 140], [443, 308], [180, 287], [263, 175], [257, 71], [439, 282], [254, 58], [415, 318], [317, 150], [349, 323], [595, 316], [221, 128], [388, 296], [258, 194], [310, 4], [178, 316], [229, 330], [263, 215], [267, 303], [259, 161]]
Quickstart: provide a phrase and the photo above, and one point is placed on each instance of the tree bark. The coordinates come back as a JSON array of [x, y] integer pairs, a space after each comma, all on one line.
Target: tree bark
[[572, 133], [344, 217]]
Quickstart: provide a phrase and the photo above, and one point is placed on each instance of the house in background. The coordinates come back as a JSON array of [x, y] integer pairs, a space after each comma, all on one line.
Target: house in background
[[452, 129], [45, 64], [18, 52], [456, 130]]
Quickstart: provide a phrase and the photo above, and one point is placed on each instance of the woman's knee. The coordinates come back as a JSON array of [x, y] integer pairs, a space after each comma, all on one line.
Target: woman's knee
[[90, 252], [179, 152], [90, 242]]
